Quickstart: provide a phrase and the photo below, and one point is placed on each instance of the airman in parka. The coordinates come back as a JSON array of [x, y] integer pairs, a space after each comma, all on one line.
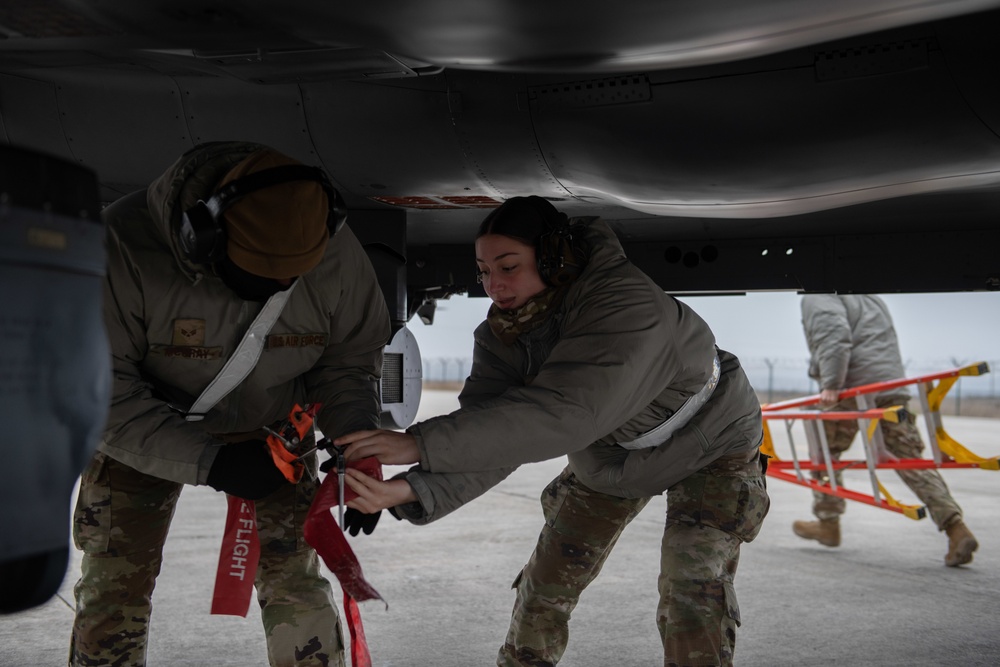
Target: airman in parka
[[583, 355], [853, 342], [172, 324]]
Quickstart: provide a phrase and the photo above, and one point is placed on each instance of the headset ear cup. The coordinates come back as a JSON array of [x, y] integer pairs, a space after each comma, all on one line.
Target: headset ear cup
[[556, 256], [568, 269], [544, 258], [202, 238]]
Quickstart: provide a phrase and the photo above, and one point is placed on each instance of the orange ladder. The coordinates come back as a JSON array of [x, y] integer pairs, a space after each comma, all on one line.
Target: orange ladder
[[947, 452]]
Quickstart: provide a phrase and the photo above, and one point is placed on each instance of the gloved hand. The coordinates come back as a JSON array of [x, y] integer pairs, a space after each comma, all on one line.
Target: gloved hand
[[325, 444], [355, 521], [330, 463], [245, 470]]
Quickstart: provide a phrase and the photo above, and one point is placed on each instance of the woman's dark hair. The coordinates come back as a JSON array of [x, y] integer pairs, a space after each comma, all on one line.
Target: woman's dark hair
[[523, 218], [535, 222]]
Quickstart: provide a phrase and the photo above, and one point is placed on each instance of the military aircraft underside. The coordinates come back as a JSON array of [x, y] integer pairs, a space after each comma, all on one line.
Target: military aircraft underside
[[734, 146]]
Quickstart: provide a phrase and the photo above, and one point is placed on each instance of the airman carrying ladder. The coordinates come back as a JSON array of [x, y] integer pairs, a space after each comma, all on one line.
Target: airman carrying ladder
[[946, 451]]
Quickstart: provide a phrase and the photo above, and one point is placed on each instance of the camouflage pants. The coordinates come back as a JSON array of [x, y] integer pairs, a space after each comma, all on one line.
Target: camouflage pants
[[121, 522], [709, 515], [903, 441]]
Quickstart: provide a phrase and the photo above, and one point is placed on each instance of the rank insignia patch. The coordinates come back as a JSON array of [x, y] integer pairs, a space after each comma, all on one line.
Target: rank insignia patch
[[189, 332]]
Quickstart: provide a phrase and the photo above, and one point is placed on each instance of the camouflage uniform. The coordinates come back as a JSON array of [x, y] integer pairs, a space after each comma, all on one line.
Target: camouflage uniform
[[173, 323], [709, 514], [597, 370], [121, 522], [903, 441]]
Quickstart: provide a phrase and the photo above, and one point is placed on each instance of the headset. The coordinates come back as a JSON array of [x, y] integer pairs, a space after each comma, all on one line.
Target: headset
[[202, 234], [556, 253]]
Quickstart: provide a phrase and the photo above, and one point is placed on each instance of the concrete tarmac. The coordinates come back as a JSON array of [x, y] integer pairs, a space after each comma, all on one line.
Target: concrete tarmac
[[883, 598]]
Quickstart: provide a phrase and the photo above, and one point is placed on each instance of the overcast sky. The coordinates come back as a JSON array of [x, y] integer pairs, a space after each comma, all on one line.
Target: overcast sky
[[933, 329]]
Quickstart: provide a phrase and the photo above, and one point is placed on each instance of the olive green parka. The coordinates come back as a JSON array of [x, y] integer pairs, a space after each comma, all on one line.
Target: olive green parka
[[852, 342], [172, 325], [617, 358]]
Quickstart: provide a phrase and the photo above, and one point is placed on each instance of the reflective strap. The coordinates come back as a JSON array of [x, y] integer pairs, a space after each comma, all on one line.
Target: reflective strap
[[660, 434], [243, 359]]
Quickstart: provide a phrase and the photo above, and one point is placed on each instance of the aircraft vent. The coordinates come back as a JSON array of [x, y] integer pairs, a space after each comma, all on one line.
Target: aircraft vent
[[392, 378], [873, 60], [596, 92], [402, 380]]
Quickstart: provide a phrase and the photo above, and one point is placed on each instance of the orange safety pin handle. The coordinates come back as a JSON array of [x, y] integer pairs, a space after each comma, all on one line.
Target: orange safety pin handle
[[287, 461]]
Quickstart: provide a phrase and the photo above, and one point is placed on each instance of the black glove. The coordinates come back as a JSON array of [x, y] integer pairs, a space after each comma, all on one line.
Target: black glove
[[245, 470], [355, 521], [329, 464], [325, 444]]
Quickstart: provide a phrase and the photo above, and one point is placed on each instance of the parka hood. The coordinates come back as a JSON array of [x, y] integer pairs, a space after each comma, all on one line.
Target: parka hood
[[605, 256], [191, 178], [601, 241]]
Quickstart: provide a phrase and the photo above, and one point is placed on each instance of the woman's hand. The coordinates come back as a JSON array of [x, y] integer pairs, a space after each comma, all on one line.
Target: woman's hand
[[375, 495], [389, 447]]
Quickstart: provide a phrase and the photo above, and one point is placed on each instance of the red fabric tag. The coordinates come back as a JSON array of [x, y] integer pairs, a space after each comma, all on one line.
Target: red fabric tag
[[369, 466], [238, 558], [359, 644], [241, 550], [327, 538]]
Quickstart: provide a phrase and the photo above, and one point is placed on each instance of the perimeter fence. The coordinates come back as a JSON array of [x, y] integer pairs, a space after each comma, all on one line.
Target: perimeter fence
[[778, 378]]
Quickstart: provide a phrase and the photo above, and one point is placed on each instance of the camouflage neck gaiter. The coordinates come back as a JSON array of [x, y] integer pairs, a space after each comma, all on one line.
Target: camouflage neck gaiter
[[507, 325]]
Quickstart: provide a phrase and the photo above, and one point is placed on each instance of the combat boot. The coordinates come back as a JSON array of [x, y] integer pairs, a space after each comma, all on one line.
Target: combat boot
[[961, 544], [824, 531]]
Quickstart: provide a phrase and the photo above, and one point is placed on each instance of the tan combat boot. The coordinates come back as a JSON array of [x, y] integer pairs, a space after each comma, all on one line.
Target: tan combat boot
[[824, 531], [961, 544]]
